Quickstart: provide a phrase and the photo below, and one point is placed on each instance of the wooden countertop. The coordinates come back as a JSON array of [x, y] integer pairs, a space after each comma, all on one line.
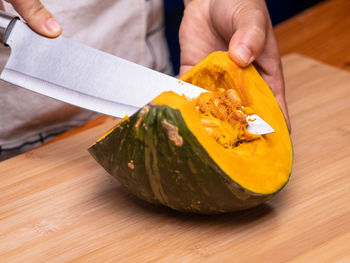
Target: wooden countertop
[[321, 32], [57, 204]]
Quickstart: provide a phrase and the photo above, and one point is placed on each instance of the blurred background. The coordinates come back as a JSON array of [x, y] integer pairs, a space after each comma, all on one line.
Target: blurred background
[[279, 11]]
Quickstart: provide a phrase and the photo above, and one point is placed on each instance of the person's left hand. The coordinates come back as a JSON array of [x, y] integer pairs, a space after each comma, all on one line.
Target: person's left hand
[[242, 27]]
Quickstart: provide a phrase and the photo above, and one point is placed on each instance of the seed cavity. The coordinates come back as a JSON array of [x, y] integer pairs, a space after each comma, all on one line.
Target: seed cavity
[[223, 117]]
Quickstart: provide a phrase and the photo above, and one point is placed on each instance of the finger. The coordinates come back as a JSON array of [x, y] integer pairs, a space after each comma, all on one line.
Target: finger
[[269, 65], [249, 37], [184, 69], [281, 99], [196, 36], [270, 69], [37, 17]]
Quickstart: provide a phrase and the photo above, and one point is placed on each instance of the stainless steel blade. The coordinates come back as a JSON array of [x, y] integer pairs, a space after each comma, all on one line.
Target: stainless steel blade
[[257, 125], [83, 76]]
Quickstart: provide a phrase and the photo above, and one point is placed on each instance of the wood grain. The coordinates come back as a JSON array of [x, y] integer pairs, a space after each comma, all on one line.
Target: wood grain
[[321, 32], [57, 204]]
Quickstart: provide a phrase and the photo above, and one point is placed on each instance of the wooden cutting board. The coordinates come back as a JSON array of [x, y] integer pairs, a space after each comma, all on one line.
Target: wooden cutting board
[[57, 204]]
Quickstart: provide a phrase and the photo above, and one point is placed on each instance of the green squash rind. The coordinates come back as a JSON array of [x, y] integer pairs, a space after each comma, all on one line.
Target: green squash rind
[[139, 153]]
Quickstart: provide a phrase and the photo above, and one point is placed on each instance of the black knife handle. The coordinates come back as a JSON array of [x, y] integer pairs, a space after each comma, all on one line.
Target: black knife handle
[[6, 23]]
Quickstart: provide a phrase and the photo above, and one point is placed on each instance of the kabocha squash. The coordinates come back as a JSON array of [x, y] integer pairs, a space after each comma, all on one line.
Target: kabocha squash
[[196, 155]]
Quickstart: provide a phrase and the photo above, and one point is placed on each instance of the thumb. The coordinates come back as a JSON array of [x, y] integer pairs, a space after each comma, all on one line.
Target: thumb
[[249, 38], [37, 17]]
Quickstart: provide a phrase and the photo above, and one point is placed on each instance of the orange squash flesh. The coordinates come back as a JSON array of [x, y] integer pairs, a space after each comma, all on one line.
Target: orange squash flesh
[[261, 165]]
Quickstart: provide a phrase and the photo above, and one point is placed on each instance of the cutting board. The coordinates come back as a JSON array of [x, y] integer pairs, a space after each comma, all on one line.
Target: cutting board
[[57, 204]]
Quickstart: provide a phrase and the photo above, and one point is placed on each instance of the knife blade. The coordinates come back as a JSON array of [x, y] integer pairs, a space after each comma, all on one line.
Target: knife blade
[[83, 76]]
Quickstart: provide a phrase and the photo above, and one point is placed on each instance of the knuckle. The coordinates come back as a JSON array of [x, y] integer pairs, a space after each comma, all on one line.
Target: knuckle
[[259, 15], [36, 9], [28, 9], [259, 34], [250, 16]]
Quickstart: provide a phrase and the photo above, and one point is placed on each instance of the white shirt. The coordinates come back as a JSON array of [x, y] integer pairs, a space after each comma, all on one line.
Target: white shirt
[[131, 29]]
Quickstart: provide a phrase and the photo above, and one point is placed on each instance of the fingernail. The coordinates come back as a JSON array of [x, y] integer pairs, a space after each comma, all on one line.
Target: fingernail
[[52, 25], [244, 54]]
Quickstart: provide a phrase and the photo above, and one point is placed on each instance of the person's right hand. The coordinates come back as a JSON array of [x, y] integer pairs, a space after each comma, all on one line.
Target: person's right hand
[[243, 28], [37, 17]]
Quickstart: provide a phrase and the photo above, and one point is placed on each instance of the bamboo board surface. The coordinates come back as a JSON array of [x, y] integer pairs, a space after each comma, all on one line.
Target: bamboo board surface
[[57, 204]]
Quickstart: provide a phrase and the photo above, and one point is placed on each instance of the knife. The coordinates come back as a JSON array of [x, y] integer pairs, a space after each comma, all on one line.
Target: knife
[[86, 77]]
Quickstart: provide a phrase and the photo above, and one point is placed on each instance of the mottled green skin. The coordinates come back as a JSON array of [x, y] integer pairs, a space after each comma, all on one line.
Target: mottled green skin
[[184, 177]]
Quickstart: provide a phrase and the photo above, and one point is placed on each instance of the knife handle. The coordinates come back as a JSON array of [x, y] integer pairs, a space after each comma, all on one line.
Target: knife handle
[[6, 23]]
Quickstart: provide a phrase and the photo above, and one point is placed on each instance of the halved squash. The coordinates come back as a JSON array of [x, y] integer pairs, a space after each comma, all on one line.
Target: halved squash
[[196, 155]]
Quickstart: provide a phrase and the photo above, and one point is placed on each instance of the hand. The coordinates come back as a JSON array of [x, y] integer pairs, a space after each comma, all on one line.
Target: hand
[[37, 17], [242, 27]]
